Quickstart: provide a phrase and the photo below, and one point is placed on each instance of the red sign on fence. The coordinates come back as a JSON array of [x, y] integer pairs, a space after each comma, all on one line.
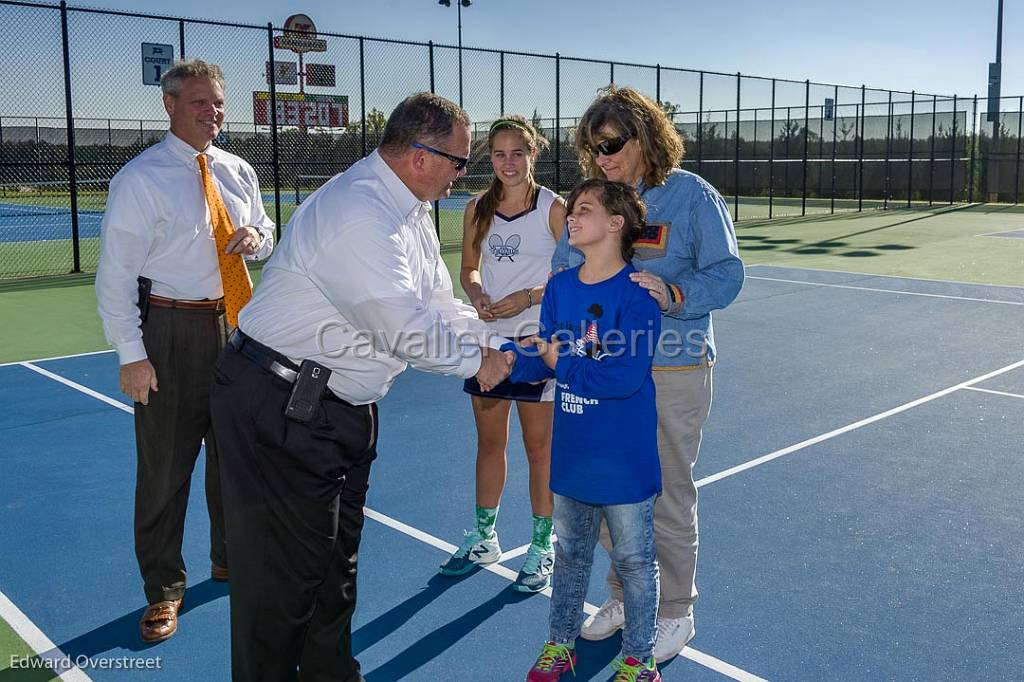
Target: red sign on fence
[[299, 36], [299, 109]]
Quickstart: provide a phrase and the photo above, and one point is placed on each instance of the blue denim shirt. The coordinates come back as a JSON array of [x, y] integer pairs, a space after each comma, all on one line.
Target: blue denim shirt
[[689, 242]]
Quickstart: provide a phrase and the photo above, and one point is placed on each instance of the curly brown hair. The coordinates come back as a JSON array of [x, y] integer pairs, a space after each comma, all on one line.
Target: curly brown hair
[[628, 112]]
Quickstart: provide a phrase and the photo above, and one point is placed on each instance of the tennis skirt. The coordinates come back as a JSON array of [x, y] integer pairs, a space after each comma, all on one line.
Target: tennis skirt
[[543, 392]]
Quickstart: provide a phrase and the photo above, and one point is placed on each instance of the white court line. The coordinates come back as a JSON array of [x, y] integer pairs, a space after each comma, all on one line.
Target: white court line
[[513, 553], [989, 390], [58, 357], [855, 425], [783, 266], [79, 387], [39, 642], [698, 657], [885, 291], [519, 551], [999, 235], [428, 539]]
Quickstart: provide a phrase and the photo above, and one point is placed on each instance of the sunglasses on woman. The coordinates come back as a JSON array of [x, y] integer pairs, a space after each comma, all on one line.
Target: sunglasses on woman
[[459, 161], [612, 146]]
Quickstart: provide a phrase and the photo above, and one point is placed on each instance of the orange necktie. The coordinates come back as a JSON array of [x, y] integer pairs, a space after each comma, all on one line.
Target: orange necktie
[[233, 274]]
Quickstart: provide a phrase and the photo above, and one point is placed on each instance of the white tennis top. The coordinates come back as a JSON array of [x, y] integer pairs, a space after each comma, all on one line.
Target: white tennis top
[[517, 255]]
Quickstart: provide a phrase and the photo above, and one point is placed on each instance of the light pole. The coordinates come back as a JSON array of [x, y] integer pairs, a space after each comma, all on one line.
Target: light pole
[[995, 77], [459, 4]]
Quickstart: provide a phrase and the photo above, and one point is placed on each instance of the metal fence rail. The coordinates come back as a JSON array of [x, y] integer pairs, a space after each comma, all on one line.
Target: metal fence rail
[[74, 109]]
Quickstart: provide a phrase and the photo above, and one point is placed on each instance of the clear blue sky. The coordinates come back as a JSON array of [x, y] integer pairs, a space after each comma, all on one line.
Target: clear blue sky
[[933, 46], [928, 45]]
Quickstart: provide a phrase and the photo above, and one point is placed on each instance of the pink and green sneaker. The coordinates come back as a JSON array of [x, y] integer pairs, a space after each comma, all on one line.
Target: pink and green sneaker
[[554, 660], [630, 669]]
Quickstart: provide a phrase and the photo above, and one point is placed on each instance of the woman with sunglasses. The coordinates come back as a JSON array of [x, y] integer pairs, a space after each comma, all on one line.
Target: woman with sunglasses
[[510, 232], [687, 258]]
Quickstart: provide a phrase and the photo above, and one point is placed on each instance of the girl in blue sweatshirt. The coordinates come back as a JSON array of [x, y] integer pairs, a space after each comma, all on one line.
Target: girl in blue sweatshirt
[[598, 332]]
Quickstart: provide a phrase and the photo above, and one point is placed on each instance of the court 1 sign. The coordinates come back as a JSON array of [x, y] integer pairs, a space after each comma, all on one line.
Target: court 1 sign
[[301, 109], [156, 59]]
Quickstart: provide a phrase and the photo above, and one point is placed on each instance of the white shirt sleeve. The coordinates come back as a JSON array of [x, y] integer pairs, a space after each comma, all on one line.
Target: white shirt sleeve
[[377, 289], [260, 220], [461, 316], [126, 236]]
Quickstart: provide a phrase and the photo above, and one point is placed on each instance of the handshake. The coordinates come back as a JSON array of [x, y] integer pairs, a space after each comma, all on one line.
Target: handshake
[[495, 366]]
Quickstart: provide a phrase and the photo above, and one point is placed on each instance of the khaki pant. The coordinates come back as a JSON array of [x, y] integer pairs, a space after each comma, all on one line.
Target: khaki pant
[[684, 402]]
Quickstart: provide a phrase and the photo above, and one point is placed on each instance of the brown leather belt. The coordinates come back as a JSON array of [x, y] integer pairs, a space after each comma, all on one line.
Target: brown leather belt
[[163, 302]]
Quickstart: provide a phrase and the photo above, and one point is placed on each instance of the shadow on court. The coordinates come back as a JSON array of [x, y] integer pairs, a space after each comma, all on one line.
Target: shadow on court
[[429, 647], [387, 623], [121, 634]]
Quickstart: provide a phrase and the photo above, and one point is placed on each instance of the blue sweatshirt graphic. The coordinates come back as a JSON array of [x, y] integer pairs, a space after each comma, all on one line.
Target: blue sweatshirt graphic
[[604, 447], [689, 241]]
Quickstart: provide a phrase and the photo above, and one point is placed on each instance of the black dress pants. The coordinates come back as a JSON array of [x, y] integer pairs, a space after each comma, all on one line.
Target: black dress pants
[[182, 345], [293, 501]]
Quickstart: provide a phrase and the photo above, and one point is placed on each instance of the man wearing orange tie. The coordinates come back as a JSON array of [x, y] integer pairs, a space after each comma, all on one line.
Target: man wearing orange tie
[[180, 220]]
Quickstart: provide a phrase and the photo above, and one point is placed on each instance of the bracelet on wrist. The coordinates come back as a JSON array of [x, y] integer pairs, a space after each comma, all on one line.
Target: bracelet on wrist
[[529, 297]]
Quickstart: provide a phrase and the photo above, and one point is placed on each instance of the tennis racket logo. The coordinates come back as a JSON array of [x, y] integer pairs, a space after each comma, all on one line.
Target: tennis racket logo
[[502, 248]]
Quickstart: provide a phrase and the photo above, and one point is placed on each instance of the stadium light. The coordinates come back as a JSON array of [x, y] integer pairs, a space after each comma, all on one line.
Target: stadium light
[[459, 5], [995, 71], [995, 77]]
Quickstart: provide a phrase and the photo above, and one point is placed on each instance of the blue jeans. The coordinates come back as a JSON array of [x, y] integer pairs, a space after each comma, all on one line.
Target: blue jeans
[[633, 553]]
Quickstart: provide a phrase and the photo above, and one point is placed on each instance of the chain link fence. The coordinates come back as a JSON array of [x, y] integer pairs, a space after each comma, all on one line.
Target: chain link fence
[[74, 108]]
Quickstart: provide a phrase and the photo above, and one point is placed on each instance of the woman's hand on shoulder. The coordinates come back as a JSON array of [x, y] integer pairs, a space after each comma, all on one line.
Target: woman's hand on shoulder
[[655, 286]]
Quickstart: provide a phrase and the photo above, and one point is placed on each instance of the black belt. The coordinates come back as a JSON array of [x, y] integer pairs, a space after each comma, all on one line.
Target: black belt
[[267, 358], [207, 304]]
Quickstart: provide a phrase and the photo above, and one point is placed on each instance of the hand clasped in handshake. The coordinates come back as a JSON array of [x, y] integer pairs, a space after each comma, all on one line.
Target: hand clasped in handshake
[[495, 366]]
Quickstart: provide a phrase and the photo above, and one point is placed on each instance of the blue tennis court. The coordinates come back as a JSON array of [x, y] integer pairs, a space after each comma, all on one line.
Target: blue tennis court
[[37, 223], [860, 506], [48, 226]]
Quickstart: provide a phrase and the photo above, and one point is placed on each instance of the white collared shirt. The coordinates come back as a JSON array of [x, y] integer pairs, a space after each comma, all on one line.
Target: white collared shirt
[[157, 225], [358, 284]]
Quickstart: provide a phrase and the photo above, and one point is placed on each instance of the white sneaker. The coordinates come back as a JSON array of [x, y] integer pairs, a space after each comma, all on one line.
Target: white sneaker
[[475, 551], [673, 634], [603, 624]]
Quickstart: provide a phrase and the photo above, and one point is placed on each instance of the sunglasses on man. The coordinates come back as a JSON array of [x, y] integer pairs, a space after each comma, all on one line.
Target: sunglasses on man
[[611, 146], [459, 161]]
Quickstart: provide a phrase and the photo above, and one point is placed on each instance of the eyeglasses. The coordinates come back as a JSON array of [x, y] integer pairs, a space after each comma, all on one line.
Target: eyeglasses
[[612, 146], [459, 161]]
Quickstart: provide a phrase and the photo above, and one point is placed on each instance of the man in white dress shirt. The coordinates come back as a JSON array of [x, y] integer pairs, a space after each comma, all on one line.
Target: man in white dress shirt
[[358, 286], [159, 228]]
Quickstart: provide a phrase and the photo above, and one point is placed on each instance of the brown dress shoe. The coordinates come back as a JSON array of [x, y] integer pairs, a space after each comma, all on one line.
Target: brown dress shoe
[[160, 620], [218, 573]]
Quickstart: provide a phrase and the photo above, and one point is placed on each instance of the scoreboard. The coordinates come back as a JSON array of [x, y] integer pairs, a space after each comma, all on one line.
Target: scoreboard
[[302, 109]]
